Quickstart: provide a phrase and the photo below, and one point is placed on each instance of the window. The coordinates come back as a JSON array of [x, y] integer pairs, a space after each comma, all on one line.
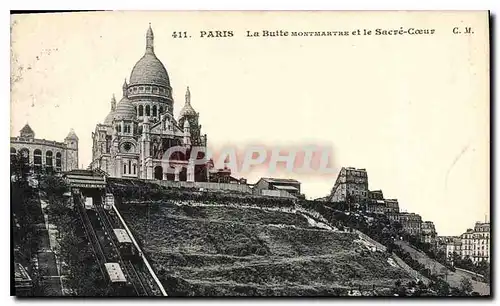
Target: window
[[58, 161], [148, 113], [141, 110], [25, 155], [161, 110], [134, 168], [125, 169], [127, 147], [48, 159], [154, 111]]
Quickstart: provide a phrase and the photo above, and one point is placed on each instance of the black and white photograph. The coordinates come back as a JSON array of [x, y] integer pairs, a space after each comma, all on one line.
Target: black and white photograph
[[250, 154]]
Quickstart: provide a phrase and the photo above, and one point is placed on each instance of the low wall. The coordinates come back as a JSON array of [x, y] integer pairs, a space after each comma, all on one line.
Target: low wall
[[470, 272], [276, 193], [205, 185]]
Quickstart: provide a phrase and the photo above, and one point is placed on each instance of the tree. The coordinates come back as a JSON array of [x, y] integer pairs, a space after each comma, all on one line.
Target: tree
[[442, 288], [19, 167], [466, 286], [455, 258]]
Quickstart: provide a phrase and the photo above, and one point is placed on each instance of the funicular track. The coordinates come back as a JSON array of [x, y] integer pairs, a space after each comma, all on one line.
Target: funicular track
[[99, 228], [136, 267], [141, 288], [89, 231]]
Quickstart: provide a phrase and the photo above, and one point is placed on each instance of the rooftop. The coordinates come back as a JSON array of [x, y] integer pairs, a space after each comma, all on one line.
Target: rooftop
[[122, 235], [279, 180], [286, 188], [115, 272]]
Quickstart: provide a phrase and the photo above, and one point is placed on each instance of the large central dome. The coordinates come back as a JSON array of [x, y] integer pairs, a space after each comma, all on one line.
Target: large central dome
[[149, 70]]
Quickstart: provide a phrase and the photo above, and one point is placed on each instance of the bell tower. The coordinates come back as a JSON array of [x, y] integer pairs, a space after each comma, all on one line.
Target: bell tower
[[71, 142]]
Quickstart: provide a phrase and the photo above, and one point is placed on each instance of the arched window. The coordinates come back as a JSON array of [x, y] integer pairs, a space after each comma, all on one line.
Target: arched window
[[154, 111], [148, 112], [125, 169], [161, 110], [141, 110], [13, 154], [129, 167], [58, 161], [134, 168], [37, 157], [25, 155], [135, 109], [48, 159], [158, 173]]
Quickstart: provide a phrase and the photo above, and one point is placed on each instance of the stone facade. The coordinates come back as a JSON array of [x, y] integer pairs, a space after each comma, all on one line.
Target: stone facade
[[351, 185], [45, 154], [139, 135], [411, 222], [429, 232], [475, 243], [450, 245]]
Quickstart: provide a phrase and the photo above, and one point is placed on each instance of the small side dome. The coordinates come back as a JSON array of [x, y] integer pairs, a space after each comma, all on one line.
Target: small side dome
[[125, 110], [187, 110], [109, 118]]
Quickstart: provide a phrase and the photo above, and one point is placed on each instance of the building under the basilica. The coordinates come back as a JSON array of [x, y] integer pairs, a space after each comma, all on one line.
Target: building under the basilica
[[136, 134]]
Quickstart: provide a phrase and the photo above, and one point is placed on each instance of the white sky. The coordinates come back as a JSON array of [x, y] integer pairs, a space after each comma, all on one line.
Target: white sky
[[413, 111]]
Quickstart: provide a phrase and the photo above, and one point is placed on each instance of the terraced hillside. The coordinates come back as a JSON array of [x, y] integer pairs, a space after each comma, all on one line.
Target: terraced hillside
[[213, 245]]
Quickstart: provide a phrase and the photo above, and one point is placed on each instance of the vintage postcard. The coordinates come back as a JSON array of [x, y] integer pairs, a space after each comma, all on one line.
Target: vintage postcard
[[256, 153]]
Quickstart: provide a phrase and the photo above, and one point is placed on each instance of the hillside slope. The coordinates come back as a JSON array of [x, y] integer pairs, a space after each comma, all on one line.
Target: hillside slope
[[453, 278], [229, 247]]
